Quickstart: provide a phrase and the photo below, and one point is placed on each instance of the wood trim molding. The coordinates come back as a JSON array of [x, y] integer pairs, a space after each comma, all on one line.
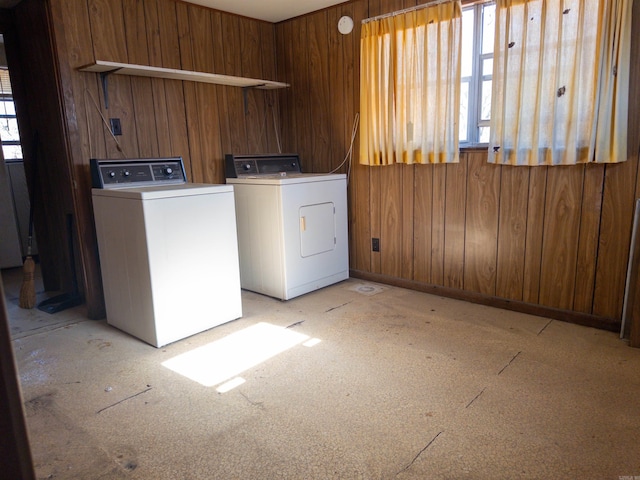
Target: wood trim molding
[[583, 319]]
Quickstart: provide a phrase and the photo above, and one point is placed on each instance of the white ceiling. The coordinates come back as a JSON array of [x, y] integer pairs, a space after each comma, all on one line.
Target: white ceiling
[[269, 10]]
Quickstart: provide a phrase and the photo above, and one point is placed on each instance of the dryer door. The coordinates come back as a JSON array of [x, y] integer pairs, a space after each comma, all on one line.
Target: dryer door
[[317, 229]]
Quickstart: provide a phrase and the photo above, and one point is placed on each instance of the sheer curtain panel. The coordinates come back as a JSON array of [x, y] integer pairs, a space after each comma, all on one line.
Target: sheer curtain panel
[[560, 82], [410, 86]]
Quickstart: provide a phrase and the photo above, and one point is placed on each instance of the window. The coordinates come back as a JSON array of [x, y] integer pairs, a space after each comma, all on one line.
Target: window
[[9, 134], [478, 28]]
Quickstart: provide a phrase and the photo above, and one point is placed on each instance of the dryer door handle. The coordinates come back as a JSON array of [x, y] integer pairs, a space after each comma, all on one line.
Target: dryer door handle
[[303, 224]]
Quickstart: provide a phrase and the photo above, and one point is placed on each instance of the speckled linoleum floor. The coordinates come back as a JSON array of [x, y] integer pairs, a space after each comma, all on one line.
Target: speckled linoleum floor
[[355, 381]]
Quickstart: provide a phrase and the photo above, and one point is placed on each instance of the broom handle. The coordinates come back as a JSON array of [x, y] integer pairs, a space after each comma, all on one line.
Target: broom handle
[[34, 167]]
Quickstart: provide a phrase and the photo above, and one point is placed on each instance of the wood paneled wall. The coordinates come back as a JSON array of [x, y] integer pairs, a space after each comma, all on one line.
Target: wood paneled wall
[[200, 122], [552, 238]]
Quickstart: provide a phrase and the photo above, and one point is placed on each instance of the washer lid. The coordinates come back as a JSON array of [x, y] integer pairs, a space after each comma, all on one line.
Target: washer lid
[[162, 191]]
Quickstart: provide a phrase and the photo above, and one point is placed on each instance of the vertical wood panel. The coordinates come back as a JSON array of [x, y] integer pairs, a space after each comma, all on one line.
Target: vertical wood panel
[[438, 223], [284, 56], [339, 108], [560, 242], [481, 225], [137, 34], [226, 144], [255, 108], [272, 112], [107, 30], [121, 106], [455, 202], [408, 196], [109, 43], [535, 222], [360, 198], [208, 114], [588, 242], [168, 32], [173, 127], [231, 44], [319, 91], [512, 232], [422, 223], [190, 95], [87, 92], [615, 237], [375, 208], [160, 129], [391, 220], [135, 31], [302, 126]]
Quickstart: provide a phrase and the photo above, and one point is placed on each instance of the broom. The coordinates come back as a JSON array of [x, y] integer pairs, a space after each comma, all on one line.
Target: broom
[[28, 288]]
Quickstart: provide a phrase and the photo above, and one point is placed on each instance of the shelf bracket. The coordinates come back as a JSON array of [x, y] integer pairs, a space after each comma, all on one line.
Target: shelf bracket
[[245, 96], [105, 85]]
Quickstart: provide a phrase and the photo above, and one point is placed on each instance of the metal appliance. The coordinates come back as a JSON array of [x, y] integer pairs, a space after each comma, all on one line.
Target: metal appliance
[[168, 249], [292, 226]]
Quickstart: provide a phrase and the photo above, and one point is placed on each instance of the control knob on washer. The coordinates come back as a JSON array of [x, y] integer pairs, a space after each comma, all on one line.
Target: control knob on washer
[[246, 167], [168, 171], [126, 173], [111, 174]]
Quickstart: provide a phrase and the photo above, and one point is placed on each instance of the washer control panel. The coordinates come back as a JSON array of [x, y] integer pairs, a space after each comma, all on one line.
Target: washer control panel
[[137, 172], [256, 165]]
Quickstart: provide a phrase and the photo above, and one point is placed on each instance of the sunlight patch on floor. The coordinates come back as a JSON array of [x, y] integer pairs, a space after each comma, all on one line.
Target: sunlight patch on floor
[[225, 359]]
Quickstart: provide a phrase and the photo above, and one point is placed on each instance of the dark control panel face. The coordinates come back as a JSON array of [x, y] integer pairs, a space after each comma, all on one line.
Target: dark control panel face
[[137, 172], [256, 165]]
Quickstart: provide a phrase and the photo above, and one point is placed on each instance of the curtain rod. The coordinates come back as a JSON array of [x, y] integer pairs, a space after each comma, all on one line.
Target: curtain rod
[[405, 10]]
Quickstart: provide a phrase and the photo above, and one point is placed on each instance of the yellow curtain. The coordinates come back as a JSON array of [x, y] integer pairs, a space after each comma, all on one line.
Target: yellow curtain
[[560, 82], [410, 86]]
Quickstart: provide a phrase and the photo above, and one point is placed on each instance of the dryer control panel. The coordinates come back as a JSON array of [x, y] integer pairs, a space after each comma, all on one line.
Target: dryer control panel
[[137, 172], [237, 166]]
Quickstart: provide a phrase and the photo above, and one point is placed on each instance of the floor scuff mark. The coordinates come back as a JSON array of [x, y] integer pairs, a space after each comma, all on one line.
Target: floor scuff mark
[[544, 328], [295, 324], [339, 306], [476, 397], [125, 399], [419, 453], [254, 403], [510, 362]]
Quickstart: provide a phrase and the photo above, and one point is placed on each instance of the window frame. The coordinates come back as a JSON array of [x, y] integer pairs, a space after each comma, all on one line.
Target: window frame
[[474, 110], [8, 97]]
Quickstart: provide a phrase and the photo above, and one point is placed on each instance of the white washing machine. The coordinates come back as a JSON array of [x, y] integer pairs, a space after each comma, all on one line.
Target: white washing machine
[[292, 226], [168, 249]]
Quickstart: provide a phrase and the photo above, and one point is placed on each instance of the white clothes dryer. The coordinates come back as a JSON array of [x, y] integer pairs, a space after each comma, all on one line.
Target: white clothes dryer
[[292, 226]]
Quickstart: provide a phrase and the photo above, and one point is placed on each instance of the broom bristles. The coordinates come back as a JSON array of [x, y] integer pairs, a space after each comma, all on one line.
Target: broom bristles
[[28, 288]]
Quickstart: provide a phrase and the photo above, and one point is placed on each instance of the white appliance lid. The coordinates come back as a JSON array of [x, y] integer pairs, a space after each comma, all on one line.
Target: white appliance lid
[[287, 179], [163, 191]]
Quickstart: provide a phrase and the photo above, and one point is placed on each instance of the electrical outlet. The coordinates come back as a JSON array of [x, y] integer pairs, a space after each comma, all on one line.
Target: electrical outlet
[[116, 127], [375, 244]]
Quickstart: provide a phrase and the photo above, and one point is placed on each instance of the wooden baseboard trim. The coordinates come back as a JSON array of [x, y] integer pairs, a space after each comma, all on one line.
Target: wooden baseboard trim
[[587, 320]]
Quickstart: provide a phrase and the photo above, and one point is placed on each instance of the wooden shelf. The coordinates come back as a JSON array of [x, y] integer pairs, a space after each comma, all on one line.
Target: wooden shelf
[[107, 68]]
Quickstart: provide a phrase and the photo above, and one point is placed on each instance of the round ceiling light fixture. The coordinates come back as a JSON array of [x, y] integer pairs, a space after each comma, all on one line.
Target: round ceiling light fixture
[[345, 25]]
